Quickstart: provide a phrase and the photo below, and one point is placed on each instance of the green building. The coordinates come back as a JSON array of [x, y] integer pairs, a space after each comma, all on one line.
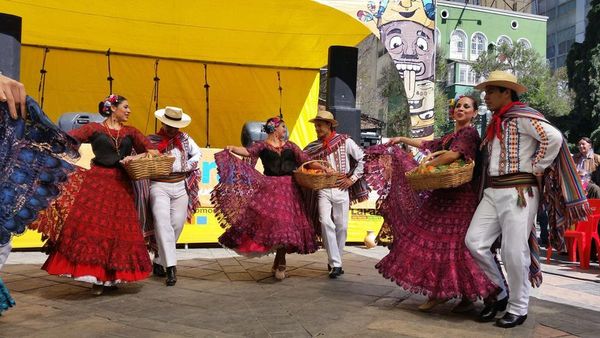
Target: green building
[[465, 31]]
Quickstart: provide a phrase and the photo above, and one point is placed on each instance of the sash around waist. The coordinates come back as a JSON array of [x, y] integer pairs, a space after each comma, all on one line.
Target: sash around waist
[[172, 178], [512, 180]]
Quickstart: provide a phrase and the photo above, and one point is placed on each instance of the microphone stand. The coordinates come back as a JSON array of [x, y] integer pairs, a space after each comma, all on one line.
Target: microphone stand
[[280, 94], [155, 92], [109, 77], [206, 89], [42, 85]]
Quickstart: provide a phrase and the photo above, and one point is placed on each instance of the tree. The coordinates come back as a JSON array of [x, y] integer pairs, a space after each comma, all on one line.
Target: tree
[[583, 67], [546, 91], [398, 118], [442, 124]]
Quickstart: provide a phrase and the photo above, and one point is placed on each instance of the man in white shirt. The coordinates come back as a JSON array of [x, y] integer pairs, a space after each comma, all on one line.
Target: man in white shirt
[[346, 157], [521, 145], [173, 198]]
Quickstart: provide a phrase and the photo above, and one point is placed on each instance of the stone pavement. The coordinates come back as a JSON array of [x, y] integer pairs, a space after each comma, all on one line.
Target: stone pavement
[[222, 295]]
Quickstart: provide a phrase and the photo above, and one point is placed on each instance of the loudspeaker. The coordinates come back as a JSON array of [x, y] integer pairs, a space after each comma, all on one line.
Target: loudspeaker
[[10, 40], [348, 121], [70, 121], [341, 76]]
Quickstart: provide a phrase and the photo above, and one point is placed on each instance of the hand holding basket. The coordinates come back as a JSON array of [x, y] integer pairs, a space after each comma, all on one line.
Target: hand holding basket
[[419, 179], [142, 167], [314, 180]]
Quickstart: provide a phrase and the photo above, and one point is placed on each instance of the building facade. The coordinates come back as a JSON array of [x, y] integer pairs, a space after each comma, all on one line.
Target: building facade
[[566, 25], [466, 31]]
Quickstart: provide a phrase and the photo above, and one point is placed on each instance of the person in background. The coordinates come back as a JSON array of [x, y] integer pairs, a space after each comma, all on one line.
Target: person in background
[[588, 163]]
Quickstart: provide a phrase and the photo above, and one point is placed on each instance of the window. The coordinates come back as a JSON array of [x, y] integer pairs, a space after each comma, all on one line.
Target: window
[[564, 46], [567, 6], [465, 74], [550, 51], [504, 40], [478, 45], [458, 42], [526, 44], [451, 74]]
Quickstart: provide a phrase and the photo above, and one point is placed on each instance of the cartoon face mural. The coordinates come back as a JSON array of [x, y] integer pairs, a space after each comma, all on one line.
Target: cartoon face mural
[[406, 29], [409, 45]]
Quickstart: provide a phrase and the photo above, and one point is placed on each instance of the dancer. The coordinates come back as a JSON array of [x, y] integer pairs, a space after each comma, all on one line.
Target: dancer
[[101, 241], [333, 204], [173, 198], [522, 147], [263, 213], [32, 152], [428, 254]]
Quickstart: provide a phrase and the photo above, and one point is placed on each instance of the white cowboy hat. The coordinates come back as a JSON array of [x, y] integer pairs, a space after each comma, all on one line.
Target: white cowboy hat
[[326, 116], [173, 116], [503, 79]]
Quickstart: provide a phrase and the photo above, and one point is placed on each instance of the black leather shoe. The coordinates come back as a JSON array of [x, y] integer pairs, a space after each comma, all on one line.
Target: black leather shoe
[[329, 269], [490, 311], [336, 272], [509, 320], [171, 275], [158, 270]]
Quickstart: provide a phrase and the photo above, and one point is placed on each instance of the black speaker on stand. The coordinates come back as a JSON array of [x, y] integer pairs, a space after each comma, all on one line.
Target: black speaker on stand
[[10, 40], [341, 89]]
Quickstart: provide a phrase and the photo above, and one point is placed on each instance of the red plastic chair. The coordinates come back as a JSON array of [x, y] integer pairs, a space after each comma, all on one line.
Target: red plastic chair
[[580, 241]]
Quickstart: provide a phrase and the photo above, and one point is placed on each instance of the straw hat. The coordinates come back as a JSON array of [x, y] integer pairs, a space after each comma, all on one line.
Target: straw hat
[[326, 116], [503, 79], [173, 116]]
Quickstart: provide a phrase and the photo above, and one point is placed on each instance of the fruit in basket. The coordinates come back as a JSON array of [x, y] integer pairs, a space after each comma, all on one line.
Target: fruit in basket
[[429, 169], [313, 171]]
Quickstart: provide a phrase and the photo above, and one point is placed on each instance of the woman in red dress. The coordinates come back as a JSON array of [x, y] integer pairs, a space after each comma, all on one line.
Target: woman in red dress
[[428, 254], [263, 213], [100, 241]]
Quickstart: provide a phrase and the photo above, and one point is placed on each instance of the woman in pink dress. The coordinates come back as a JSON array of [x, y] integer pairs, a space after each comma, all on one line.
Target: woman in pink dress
[[263, 213], [428, 254]]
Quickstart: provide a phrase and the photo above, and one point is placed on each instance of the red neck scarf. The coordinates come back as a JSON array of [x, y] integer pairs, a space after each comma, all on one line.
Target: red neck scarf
[[494, 129], [166, 140], [328, 139]]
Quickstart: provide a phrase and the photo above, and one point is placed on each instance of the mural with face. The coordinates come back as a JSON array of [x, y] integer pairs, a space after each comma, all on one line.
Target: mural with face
[[406, 28]]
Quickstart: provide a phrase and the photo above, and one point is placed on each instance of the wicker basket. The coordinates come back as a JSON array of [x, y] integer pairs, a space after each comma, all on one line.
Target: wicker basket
[[449, 178], [148, 167], [316, 181]]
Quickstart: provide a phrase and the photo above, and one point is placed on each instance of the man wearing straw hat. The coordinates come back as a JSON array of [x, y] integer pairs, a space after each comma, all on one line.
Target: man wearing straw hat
[[173, 198], [524, 153], [333, 204]]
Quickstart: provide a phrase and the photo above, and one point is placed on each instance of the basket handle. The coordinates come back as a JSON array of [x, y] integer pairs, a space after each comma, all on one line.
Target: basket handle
[[315, 161], [430, 156]]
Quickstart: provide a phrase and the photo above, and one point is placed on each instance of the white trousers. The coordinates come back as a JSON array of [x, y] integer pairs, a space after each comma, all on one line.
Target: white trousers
[[333, 215], [4, 252], [169, 203], [498, 213]]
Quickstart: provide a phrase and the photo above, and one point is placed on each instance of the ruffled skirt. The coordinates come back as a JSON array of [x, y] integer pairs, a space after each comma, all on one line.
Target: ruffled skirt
[[6, 301], [428, 254], [260, 213], [101, 240]]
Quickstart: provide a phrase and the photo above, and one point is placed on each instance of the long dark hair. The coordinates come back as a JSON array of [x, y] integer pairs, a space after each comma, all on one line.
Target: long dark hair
[[110, 101]]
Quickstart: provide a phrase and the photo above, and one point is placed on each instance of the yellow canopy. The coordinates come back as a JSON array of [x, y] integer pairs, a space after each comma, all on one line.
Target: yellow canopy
[[243, 43]]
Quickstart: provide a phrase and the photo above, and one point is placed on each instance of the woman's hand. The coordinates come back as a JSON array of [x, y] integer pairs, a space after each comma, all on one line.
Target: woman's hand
[[153, 153], [395, 140]]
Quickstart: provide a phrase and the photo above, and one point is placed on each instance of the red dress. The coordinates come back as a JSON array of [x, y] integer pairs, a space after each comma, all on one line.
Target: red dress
[[261, 213], [428, 254], [101, 240]]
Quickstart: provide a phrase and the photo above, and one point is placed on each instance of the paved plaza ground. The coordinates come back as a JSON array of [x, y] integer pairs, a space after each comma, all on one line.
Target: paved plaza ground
[[222, 295]]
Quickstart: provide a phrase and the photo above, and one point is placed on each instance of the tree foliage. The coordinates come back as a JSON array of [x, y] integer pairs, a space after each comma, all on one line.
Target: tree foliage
[[583, 67], [398, 119], [546, 90]]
